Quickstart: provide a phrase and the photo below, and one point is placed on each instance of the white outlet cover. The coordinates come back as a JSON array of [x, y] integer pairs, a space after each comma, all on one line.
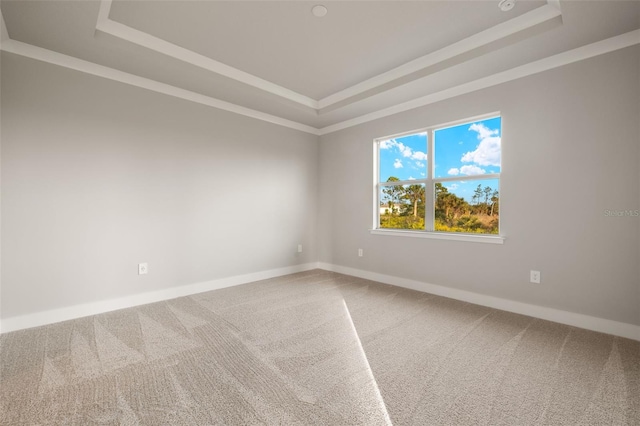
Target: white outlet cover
[[143, 268], [534, 277]]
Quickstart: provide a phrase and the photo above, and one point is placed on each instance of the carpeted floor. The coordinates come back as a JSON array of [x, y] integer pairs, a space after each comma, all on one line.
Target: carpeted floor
[[316, 348]]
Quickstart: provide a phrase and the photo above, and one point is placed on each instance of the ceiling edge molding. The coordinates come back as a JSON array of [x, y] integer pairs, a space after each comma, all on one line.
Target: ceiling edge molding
[[483, 38], [555, 3], [3, 29], [124, 32], [55, 58], [581, 53], [103, 12], [532, 18]]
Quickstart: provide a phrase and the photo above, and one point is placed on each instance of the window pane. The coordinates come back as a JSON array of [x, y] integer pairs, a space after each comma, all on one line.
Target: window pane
[[471, 206], [402, 206], [468, 149], [404, 158]]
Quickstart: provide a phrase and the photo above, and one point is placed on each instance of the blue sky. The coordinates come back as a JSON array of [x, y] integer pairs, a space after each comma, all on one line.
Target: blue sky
[[470, 149], [404, 158]]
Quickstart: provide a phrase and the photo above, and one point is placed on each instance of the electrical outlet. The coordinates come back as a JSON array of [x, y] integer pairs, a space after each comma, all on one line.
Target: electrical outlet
[[299, 248], [143, 269], [360, 253], [534, 277]]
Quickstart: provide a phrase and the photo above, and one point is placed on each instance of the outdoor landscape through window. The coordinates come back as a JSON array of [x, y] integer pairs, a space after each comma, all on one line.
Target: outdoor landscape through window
[[442, 179]]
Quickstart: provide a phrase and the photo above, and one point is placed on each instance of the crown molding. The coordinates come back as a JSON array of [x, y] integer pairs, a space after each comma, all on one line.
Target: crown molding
[[554, 3], [4, 35], [530, 19], [116, 29], [588, 51], [581, 53], [55, 58], [476, 41]]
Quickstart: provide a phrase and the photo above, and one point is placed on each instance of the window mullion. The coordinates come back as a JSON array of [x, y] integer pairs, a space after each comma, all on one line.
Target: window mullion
[[469, 156], [429, 190], [376, 185]]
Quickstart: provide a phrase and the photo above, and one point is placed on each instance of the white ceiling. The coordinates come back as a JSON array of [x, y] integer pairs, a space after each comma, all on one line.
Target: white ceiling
[[284, 43], [275, 61]]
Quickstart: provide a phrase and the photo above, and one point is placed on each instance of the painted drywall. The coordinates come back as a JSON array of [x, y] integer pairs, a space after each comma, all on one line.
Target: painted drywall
[[3, 34], [98, 176], [570, 146]]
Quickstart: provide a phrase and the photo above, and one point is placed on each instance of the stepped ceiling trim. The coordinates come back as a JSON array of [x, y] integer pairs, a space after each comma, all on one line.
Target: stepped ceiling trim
[[578, 54], [530, 19], [148, 41]]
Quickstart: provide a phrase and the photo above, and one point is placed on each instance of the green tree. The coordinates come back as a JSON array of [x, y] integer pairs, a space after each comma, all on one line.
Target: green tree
[[440, 189], [416, 197], [495, 198], [448, 206], [487, 195], [441, 194], [477, 195], [459, 206], [393, 194]]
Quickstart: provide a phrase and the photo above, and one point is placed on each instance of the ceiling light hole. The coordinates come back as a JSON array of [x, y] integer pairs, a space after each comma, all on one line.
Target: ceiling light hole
[[319, 11], [506, 5]]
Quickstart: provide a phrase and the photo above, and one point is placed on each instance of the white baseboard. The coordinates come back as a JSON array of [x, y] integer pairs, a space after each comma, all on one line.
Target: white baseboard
[[601, 325], [93, 308]]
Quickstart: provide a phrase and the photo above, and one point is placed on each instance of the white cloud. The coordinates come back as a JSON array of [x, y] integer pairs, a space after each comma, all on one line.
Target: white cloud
[[388, 144], [454, 172], [470, 170], [452, 187], [419, 155], [397, 164], [405, 150], [411, 178], [419, 164], [487, 153], [401, 148], [483, 131]]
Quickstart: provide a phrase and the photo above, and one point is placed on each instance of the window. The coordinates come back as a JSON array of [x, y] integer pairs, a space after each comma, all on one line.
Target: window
[[443, 179]]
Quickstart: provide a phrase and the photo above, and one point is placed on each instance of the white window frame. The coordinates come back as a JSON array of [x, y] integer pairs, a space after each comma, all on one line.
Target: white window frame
[[429, 182]]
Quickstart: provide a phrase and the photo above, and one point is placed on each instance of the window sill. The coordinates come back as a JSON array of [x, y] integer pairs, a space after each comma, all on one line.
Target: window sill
[[487, 239]]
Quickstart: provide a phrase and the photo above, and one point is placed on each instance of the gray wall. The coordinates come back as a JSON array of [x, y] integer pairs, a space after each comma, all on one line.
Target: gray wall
[[98, 176], [570, 151]]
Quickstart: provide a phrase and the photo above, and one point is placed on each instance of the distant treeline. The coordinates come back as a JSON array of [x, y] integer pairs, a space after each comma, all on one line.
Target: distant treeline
[[404, 208]]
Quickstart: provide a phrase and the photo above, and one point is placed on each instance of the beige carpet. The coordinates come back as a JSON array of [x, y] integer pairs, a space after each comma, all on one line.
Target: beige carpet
[[316, 348]]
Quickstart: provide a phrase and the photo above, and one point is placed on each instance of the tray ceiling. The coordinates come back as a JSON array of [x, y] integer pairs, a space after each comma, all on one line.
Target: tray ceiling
[[275, 61]]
